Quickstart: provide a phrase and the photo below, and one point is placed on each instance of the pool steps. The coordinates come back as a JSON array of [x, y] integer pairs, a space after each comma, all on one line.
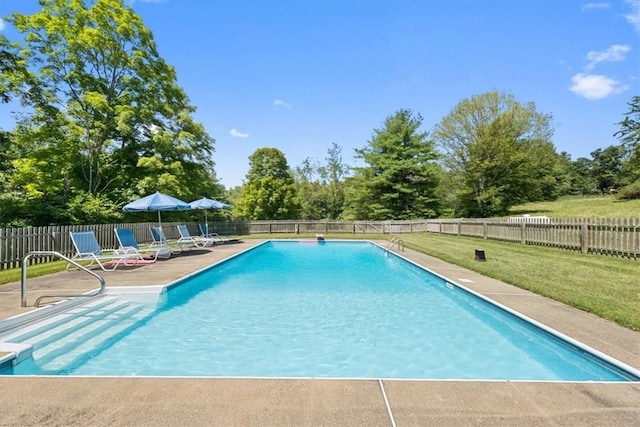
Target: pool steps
[[82, 341], [67, 335]]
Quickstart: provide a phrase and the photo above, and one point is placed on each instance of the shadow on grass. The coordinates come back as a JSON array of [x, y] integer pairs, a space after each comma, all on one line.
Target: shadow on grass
[[625, 200]]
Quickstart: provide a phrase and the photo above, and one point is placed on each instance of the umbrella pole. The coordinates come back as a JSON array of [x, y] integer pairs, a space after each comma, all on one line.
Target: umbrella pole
[[159, 221]]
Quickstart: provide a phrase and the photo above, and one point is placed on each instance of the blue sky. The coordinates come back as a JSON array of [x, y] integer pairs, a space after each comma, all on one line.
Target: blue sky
[[302, 75]]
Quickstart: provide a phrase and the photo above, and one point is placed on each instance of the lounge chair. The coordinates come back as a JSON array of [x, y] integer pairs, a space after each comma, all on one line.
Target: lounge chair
[[129, 244], [186, 237], [204, 230], [160, 240], [88, 249]]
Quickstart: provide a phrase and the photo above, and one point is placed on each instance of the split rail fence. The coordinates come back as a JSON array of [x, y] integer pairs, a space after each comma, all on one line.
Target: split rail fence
[[616, 237]]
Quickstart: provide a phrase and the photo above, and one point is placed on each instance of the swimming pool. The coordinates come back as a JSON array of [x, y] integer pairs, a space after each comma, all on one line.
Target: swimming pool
[[309, 309]]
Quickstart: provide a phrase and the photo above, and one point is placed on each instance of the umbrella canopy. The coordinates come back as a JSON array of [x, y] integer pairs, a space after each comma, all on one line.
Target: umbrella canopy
[[155, 203], [206, 204]]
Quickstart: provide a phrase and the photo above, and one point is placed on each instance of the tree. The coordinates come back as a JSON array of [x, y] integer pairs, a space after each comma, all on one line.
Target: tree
[[581, 177], [104, 103], [333, 174], [321, 186], [607, 167], [629, 132], [308, 189], [499, 152], [401, 178], [270, 191], [629, 135]]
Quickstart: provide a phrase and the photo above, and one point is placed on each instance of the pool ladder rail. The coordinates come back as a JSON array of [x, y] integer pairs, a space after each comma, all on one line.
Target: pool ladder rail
[[23, 293], [398, 243]]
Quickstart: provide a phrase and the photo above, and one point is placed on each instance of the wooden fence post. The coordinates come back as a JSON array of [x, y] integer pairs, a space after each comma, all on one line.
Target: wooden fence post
[[584, 237]]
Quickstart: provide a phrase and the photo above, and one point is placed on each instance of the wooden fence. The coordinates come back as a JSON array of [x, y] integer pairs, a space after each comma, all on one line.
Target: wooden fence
[[606, 236], [619, 237]]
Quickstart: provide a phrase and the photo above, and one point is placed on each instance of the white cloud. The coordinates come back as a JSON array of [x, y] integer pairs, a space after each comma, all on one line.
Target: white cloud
[[595, 86], [1, 24], [237, 134], [614, 53], [588, 6], [280, 103], [633, 17]]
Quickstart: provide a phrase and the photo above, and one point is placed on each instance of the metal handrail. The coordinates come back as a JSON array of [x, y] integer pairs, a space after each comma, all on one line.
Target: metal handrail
[[23, 293], [398, 242]]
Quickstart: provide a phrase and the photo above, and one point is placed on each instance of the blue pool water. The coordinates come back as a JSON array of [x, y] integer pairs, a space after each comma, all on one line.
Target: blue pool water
[[330, 309]]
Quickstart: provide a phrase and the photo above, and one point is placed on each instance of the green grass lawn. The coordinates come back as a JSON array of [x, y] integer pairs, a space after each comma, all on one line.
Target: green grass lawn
[[606, 286], [579, 207]]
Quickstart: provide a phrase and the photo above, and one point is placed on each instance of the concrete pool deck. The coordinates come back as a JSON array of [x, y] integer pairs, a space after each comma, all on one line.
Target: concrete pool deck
[[305, 402]]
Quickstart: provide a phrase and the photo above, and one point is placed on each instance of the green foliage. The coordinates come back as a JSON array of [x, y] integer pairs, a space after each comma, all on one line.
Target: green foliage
[[582, 181], [270, 191], [321, 186], [87, 208], [499, 152], [631, 191], [401, 178], [629, 132], [105, 107], [629, 135], [607, 167]]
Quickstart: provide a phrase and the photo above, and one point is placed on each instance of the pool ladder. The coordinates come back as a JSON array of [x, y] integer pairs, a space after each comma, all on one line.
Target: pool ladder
[[398, 243], [23, 293]]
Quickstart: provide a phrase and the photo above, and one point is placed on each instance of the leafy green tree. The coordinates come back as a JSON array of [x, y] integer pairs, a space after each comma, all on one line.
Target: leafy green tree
[[629, 135], [607, 167], [551, 174], [581, 177], [321, 186], [401, 178], [561, 173], [333, 174], [499, 151], [629, 132], [308, 188], [269, 191], [103, 103]]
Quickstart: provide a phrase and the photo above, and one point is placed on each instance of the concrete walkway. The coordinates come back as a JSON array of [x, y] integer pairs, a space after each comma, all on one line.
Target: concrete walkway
[[64, 401]]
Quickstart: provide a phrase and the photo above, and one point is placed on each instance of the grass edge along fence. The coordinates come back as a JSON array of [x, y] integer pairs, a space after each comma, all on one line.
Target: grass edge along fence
[[608, 236], [602, 236]]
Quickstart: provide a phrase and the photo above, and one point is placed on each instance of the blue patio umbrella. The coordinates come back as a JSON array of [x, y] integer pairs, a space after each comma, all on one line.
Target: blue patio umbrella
[[157, 202], [207, 204]]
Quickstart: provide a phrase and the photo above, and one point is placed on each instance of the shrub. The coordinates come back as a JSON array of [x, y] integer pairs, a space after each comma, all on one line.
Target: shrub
[[631, 191]]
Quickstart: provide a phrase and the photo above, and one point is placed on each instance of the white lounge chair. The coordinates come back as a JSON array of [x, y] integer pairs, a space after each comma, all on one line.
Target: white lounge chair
[[88, 249], [204, 230], [129, 244], [186, 237], [160, 240]]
